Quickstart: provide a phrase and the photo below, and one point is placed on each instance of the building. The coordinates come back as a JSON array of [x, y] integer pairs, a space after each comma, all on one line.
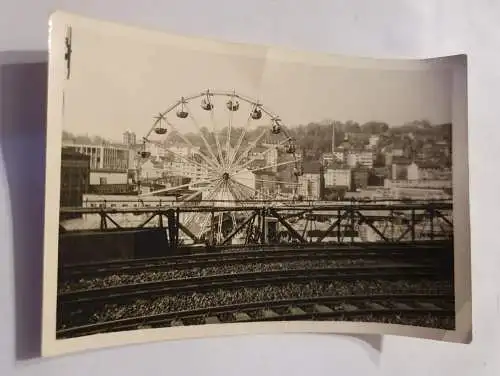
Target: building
[[419, 184], [365, 158], [75, 171], [103, 157], [378, 175], [175, 180], [359, 178], [359, 157], [151, 171], [373, 141], [338, 156], [412, 172], [311, 182], [327, 159], [129, 138], [332, 158], [398, 152], [185, 151], [157, 150], [388, 159], [265, 182], [338, 177], [258, 153], [433, 172], [399, 171], [102, 177], [109, 182], [351, 160], [272, 158], [109, 167]]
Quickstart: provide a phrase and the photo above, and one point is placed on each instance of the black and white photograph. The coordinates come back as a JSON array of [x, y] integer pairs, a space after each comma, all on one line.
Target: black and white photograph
[[204, 184]]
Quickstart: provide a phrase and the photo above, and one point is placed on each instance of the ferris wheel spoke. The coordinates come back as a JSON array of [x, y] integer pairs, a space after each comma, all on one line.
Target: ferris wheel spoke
[[251, 146], [253, 159], [207, 145], [210, 196], [193, 163], [269, 166], [212, 187], [203, 225], [277, 182], [180, 156], [228, 137], [190, 144], [193, 195], [250, 189], [240, 140], [226, 194], [215, 135], [231, 188], [237, 191], [244, 191]]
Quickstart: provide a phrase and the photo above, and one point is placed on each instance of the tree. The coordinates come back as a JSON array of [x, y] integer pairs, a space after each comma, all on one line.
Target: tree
[[374, 127]]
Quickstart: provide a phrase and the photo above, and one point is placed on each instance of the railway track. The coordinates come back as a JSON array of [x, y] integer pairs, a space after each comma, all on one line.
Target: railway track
[[316, 308], [253, 279], [201, 260]]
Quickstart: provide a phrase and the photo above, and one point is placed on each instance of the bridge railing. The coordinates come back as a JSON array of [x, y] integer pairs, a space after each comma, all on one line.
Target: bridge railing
[[158, 202], [257, 222]]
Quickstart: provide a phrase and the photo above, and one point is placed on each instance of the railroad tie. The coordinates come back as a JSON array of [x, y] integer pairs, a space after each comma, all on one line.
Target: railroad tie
[[402, 306], [376, 306], [427, 305], [322, 308], [267, 313], [447, 305], [241, 316], [296, 311], [348, 307], [212, 320]]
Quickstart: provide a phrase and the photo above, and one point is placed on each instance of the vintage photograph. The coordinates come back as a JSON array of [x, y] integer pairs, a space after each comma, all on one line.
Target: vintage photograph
[[203, 183]]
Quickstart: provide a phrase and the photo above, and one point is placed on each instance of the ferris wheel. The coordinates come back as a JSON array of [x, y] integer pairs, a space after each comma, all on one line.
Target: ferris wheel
[[225, 140]]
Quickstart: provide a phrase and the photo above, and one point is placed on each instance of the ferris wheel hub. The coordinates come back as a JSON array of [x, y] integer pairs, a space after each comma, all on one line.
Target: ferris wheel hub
[[225, 176]]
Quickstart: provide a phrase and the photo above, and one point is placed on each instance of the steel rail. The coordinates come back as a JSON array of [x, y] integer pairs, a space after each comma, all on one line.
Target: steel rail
[[166, 319], [165, 264], [224, 252], [251, 279]]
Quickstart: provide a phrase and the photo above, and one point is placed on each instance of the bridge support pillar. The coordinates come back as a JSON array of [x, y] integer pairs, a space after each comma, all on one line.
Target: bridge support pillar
[[173, 228]]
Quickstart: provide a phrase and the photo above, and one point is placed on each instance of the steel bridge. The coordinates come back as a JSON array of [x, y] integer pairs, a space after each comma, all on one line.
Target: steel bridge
[[218, 223]]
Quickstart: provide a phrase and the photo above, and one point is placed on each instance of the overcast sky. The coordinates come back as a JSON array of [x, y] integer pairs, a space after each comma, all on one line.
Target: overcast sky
[[119, 83]]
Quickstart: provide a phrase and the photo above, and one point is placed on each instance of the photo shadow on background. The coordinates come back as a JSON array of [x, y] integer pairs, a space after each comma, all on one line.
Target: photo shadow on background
[[372, 343], [23, 98]]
